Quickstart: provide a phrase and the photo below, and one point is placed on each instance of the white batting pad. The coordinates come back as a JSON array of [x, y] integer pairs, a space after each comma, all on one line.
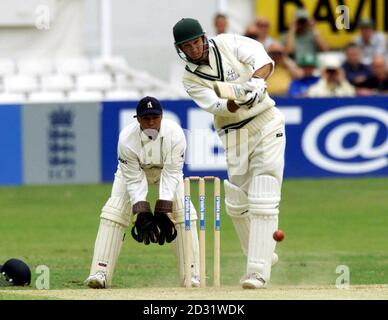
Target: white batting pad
[[107, 248], [117, 209], [114, 220], [261, 245], [236, 203], [178, 247], [264, 197]]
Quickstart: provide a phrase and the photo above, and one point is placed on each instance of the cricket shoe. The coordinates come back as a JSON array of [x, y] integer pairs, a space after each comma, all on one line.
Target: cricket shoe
[[253, 281], [97, 280]]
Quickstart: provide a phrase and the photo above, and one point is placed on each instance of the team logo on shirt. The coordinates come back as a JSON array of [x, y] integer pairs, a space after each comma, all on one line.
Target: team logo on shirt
[[232, 75]]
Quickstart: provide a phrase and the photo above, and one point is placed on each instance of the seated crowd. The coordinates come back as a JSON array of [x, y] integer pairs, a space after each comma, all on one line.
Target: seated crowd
[[306, 67]]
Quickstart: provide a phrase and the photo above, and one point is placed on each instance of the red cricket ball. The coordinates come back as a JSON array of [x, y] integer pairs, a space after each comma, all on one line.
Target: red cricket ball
[[278, 235]]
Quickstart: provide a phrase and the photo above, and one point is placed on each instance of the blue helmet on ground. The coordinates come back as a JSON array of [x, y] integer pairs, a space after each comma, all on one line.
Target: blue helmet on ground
[[15, 272]]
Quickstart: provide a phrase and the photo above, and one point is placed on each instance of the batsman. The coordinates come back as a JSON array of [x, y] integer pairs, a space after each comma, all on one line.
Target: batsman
[[251, 129], [151, 151]]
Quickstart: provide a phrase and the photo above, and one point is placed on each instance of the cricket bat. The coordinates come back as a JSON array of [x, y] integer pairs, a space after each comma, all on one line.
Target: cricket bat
[[230, 91]]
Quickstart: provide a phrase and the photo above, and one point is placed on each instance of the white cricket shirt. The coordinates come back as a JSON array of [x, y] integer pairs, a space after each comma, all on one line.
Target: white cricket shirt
[[143, 160], [232, 58]]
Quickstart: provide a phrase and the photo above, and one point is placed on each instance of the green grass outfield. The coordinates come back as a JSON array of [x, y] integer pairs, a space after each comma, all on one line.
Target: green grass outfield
[[327, 223]]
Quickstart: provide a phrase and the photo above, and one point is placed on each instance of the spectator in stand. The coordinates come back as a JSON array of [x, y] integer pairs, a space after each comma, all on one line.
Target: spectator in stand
[[370, 41], [303, 37], [377, 82], [220, 23], [332, 82], [298, 87], [286, 70], [251, 31], [355, 71], [263, 26]]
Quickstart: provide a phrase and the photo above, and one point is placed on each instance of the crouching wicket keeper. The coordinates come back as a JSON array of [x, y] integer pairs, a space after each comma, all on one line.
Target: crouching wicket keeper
[[150, 151]]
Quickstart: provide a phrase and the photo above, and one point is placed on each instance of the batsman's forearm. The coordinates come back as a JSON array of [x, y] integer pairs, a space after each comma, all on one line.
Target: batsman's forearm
[[263, 72]]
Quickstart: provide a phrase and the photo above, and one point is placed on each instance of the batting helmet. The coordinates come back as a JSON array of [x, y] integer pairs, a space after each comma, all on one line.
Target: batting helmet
[[15, 272], [187, 29]]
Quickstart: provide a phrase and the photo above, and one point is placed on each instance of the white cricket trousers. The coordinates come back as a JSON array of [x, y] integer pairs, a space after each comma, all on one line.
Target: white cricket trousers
[[252, 153]]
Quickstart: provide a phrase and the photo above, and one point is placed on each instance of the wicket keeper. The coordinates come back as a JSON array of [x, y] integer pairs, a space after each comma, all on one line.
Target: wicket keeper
[[252, 192], [150, 151]]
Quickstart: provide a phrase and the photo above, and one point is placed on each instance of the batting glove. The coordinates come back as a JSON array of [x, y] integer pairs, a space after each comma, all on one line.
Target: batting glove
[[255, 84], [257, 89]]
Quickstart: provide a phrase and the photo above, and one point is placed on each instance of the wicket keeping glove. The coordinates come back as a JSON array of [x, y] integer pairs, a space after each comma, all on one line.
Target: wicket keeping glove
[[167, 231], [257, 89], [145, 228]]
